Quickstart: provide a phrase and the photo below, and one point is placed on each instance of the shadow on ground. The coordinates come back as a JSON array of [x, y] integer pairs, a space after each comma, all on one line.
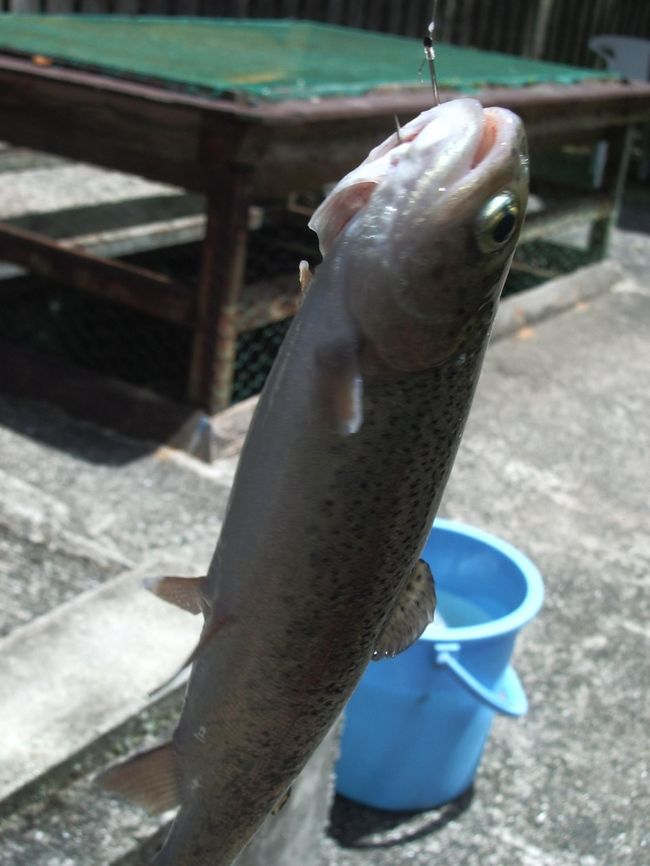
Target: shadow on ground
[[353, 825], [54, 428], [635, 211]]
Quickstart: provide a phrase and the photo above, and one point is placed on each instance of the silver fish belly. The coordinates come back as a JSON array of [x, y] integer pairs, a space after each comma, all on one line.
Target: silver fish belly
[[316, 570]]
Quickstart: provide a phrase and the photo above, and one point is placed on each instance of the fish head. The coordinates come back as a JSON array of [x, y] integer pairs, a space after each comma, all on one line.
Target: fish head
[[422, 233]]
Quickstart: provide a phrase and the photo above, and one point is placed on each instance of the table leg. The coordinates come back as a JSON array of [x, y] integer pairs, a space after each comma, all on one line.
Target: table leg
[[618, 154], [220, 284]]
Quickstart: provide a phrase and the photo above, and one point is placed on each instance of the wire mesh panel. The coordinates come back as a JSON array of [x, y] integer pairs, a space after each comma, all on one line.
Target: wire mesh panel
[[115, 341], [256, 351], [97, 335]]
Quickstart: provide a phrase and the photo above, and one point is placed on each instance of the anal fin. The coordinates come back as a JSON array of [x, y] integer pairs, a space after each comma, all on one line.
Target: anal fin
[[413, 612], [150, 779], [188, 593]]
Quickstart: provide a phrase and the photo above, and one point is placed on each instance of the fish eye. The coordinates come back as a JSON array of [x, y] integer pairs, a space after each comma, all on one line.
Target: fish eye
[[497, 221]]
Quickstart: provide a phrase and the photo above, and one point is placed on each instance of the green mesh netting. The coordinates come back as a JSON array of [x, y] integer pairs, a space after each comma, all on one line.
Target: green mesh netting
[[262, 59]]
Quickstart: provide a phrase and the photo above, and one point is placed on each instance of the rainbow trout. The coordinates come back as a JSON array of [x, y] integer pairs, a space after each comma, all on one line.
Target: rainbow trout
[[316, 570]]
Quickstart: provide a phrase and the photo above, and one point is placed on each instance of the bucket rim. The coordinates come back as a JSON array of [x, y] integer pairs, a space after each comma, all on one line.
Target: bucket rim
[[511, 622]]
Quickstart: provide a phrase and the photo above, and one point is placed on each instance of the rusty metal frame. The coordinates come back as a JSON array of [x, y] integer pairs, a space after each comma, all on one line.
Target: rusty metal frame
[[127, 284], [235, 152]]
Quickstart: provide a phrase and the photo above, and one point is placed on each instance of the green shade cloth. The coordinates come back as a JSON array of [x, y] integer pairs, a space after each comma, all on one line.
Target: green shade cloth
[[268, 60]]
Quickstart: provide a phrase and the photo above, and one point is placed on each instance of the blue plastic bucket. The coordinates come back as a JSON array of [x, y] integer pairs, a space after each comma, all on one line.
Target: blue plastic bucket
[[416, 726]]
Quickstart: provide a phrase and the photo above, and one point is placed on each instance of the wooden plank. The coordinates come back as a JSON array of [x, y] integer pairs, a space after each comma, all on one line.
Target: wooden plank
[[113, 243], [394, 18], [528, 36], [288, 146], [412, 20], [334, 13], [135, 287], [95, 7], [242, 8], [381, 102], [190, 141], [220, 285], [304, 155], [157, 7], [483, 26], [125, 7], [128, 240], [465, 20], [79, 118], [60, 7]]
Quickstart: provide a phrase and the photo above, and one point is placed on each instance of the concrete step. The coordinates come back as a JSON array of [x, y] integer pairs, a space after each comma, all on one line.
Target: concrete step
[[82, 670], [69, 820], [46, 556], [74, 690], [77, 508], [66, 819], [556, 296], [36, 577], [21, 158], [107, 213], [44, 189], [74, 695]]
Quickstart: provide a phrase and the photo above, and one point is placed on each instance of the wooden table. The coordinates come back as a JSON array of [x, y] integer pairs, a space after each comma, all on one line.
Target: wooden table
[[238, 145]]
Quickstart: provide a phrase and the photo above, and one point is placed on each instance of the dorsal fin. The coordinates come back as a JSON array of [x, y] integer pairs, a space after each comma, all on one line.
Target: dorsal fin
[[305, 276], [412, 613], [149, 778]]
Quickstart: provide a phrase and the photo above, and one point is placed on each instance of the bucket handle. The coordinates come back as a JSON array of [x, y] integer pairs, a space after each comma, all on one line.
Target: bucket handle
[[509, 697]]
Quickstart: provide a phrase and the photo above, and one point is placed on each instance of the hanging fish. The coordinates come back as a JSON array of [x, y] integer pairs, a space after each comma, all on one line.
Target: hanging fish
[[317, 569]]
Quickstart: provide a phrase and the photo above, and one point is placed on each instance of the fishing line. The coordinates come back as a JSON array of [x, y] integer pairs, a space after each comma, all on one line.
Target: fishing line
[[430, 54]]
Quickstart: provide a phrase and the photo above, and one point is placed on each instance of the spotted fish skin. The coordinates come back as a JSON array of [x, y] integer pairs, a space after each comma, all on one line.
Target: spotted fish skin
[[347, 529], [342, 472]]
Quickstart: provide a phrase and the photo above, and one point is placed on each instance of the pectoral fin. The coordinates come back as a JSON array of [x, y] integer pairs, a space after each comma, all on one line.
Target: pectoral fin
[[185, 592], [412, 614], [150, 779], [341, 386]]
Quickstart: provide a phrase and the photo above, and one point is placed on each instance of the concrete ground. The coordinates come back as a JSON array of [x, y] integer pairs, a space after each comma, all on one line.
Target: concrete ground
[[555, 459]]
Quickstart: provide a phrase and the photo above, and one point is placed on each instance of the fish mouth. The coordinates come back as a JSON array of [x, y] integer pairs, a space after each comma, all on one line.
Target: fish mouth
[[447, 145], [488, 139], [500, 138]]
